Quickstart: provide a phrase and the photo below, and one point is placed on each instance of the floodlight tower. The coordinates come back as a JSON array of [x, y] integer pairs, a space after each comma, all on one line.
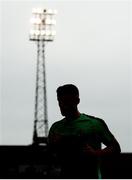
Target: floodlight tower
[[42, 31]]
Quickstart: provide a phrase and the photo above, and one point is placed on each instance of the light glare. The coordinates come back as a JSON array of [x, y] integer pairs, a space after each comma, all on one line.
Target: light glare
[[49, 11], [42, 32], [37, 32], [48, 32], [35, 20], [42, 24], [37, 11]]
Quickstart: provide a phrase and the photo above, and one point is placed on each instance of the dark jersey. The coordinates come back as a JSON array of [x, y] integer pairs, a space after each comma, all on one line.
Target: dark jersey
[[67, 139]]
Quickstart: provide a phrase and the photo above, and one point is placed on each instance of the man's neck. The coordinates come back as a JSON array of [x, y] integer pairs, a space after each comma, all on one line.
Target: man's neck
[[73, 116]]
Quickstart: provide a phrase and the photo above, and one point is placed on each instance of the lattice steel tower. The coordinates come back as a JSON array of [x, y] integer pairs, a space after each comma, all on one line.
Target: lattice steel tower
[[41, 32]]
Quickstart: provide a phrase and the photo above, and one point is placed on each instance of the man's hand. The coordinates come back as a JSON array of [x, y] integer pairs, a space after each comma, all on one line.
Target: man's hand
[[111, 149], [90, 151]]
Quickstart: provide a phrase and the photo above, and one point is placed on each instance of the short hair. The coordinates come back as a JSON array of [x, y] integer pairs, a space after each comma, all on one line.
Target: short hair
[[67, 89]]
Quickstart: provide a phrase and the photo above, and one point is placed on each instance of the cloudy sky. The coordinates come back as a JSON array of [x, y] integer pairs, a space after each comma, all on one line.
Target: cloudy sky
[[92, 49]]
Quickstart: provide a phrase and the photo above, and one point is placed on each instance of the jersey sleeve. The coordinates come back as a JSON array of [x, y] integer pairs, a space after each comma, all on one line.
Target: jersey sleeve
[[54, 137], [51, 134], [105, 134]]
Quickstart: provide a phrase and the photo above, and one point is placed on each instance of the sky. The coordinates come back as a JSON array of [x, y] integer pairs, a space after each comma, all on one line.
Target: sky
[[92, 49]]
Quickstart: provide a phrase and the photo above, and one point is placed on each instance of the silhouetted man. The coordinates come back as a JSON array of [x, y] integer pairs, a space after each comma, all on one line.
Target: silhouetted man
[[77, 138]]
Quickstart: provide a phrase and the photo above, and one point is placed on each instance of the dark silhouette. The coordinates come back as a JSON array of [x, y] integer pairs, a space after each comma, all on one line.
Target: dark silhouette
[[76, 139]]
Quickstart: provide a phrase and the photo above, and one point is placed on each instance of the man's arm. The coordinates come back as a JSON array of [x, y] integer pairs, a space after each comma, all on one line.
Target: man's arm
[[111, 149], [107, 138]]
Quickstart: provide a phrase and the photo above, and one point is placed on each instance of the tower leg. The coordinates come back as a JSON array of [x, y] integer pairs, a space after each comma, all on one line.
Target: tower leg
[[41, 116]]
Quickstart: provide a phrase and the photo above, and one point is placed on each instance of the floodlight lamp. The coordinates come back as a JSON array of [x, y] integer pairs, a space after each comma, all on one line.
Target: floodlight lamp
[[35, 20], [43, 32], [37, 32], [42, 24], [49, 11], [50, 22], [37, 11], [48, 32], [47, 21]]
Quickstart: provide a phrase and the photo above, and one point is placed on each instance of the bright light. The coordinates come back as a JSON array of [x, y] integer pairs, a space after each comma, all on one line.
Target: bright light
[[50, 21], [37, 11], [43, 32], [37, 32], [53, 22], [48, 32], [42, 24], [47, 21], [49, 11], [35, 20]]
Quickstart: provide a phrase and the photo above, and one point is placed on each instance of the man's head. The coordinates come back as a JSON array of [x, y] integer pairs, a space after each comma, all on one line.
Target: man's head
[[68, 99]]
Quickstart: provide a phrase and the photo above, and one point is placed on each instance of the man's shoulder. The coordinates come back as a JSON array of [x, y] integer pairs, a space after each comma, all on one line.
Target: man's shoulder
[[95, 120], [93, 117], [98, 122], [57, 123]]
